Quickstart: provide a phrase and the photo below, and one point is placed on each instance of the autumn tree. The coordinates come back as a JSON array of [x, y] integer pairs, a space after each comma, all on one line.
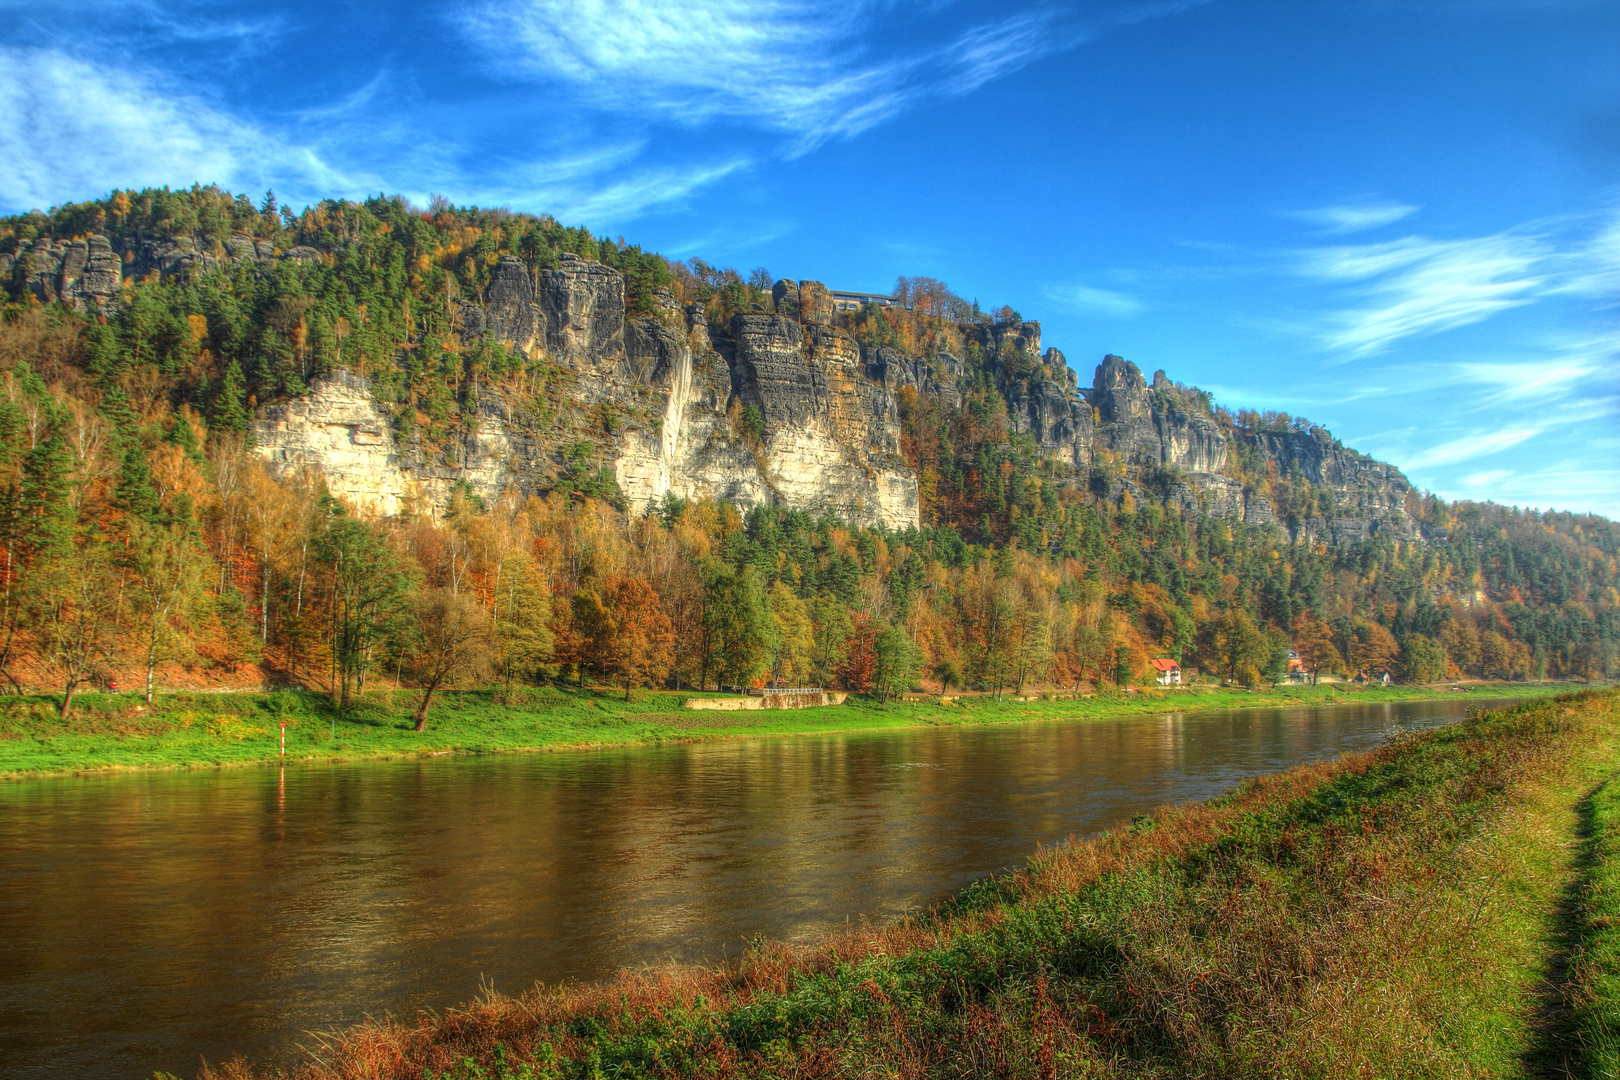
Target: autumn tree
[[277, 523], [737, 618], [1313, 641], [1029, 646], [164, 565], [524, 638], [832, 629], [642, 639], [1092, 651], [1235, 644], [446, 639], [792, 642], [77, 614], [1422, 659], [948, 670], [590, 633], [367, 588], [1373, 648]]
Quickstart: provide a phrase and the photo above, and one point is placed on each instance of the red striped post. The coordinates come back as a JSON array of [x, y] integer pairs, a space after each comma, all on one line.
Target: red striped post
[[284, 738]]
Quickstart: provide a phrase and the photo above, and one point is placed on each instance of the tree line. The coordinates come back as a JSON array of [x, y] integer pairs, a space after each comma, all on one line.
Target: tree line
[[139, 533]]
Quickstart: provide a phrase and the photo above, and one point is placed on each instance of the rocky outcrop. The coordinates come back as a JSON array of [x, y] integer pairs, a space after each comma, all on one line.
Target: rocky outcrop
[[829, 437], [668, 410], [781, 406], [1152, 442], [88, 273], [85, 274], [582, 309], [786, 408]]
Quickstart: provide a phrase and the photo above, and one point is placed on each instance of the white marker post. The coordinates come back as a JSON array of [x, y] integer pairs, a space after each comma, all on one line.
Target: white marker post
[[284, 738]]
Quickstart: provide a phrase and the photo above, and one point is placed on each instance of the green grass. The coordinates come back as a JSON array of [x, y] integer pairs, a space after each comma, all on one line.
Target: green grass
[[1390, 914], [1595, 969], [110, 731]]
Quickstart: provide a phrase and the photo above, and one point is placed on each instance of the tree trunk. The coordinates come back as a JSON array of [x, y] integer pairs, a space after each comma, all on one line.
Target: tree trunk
[[421, 710], [151, 663], [67, 697]]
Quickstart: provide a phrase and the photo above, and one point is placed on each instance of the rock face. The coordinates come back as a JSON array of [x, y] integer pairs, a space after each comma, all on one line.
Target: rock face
[[1154, 443], [781, 406], [784, 407], [85, 274], [780, 410]]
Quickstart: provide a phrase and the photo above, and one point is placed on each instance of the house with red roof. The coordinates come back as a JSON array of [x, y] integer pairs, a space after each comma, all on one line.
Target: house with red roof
[[1166, 671]]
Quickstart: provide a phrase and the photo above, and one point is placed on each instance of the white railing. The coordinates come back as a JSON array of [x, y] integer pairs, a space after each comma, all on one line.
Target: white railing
[[761, 691]]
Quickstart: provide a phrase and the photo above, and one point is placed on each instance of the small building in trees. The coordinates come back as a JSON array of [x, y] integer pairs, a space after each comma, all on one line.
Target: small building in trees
[[854, 301], [1166, 672]]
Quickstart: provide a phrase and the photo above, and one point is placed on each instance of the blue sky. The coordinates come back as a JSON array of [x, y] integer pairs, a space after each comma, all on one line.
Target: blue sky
[[1399, 218]]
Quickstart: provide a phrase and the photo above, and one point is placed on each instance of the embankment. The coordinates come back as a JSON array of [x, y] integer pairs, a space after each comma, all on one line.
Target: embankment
[[1397, 913], [202, 730]]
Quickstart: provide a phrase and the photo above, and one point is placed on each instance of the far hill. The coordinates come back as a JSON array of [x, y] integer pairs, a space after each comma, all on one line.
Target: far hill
[[419, 360]]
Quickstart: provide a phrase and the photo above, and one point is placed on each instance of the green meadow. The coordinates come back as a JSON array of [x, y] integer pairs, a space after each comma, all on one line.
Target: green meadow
[[191, 730]]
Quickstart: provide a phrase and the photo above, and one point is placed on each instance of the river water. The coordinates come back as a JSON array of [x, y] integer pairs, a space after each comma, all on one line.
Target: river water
[[150, 920]]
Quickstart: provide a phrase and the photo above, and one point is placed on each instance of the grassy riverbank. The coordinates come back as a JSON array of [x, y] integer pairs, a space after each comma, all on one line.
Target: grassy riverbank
[[210, 730], [1400, 913], [1595, 968]]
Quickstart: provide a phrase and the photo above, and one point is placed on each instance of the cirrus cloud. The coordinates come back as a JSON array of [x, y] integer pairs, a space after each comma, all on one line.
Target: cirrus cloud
[[1353, 217], [806, 70]]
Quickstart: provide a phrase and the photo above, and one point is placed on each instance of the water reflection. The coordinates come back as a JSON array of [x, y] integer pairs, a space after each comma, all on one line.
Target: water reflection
[[147, 919]]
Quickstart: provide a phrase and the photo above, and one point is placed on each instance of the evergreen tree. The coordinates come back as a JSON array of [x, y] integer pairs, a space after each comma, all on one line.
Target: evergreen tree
[[229, 411]]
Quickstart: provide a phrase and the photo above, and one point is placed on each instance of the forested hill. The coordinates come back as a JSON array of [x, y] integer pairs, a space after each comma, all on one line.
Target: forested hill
[[793, 477]]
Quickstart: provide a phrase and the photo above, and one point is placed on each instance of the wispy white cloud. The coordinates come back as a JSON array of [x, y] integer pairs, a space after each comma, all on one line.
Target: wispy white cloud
[[1469, 448], [1593, 268], [1527, 382], [71, 129], [1353, 217], [800, 69], [611, 194], [1487, 479], [1416, 286], [1093, 301], [1576, 484]]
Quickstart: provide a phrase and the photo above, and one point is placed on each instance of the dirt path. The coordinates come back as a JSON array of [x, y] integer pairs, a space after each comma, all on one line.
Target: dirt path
[[1553, 1052]]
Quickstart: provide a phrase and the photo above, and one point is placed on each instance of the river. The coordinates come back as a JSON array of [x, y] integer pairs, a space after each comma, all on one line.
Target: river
[[150, 919]]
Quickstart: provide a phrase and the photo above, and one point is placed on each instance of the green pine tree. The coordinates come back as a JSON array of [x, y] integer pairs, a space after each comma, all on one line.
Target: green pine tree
[[230, 403]]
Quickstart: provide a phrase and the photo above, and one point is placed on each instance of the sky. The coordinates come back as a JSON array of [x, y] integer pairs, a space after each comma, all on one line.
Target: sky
[[1397, 218]]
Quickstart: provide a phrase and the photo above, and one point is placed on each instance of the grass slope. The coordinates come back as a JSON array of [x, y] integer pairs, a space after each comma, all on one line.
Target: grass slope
[[1593, 1035], [1395, 913], [199, 729]]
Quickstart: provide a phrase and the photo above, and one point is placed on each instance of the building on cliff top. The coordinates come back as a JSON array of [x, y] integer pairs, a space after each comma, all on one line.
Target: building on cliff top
[[854, 301]]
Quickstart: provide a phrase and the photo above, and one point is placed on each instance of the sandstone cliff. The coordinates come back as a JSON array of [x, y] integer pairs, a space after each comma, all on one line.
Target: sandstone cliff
[[656, 399], [780, 405]]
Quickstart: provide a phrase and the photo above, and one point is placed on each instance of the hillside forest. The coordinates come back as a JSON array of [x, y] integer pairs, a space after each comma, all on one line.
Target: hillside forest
[[142, 540]]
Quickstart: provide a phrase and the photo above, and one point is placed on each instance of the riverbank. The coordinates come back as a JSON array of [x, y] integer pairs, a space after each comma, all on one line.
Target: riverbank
[[1406, 912], [207, 730]]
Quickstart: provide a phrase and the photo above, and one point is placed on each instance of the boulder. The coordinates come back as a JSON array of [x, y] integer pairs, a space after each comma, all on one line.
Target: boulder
[[816, 306]]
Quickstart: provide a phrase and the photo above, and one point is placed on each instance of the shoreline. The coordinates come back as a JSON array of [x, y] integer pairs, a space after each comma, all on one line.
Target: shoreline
[[1259, 922], [210, 731]]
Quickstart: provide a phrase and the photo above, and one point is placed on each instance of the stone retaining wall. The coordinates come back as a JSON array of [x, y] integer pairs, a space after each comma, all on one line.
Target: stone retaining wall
[[769, 701]]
